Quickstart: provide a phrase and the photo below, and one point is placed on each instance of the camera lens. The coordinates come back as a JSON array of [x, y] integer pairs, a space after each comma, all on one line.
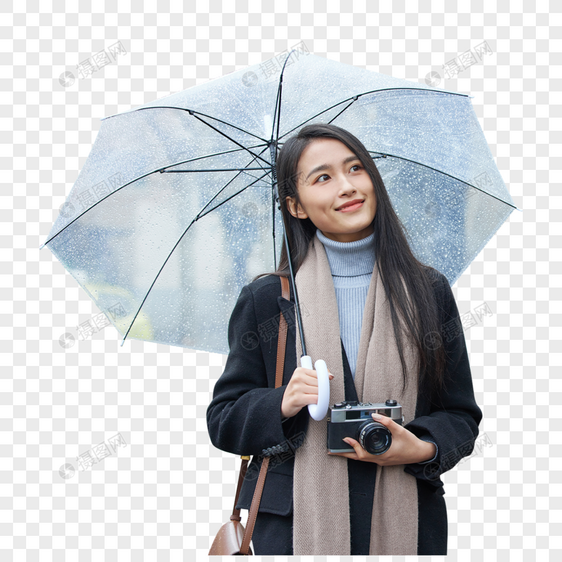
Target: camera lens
[[375, 438]]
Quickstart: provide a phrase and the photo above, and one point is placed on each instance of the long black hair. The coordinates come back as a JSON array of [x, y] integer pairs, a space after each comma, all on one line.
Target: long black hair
[[394, 258]]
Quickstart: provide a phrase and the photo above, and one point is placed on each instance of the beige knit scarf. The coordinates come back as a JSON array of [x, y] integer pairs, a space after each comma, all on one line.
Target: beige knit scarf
[[321, 497]]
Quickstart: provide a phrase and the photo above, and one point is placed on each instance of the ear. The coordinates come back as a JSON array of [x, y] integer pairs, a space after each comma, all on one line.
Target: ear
[[296, 210]]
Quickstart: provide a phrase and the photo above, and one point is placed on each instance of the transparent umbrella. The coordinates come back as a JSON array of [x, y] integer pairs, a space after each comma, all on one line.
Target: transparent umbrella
[[175, 209]]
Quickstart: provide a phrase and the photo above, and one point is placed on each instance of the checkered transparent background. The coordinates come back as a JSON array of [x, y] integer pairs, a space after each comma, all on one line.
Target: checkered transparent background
[[165, 491]]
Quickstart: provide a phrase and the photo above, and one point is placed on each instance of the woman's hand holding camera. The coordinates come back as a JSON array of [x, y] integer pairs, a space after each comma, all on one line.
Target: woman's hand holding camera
[[301, 391], [406, 448]]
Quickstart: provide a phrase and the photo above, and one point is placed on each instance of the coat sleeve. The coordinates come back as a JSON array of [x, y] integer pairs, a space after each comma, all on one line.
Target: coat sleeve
[[244, 417], [453, 419]]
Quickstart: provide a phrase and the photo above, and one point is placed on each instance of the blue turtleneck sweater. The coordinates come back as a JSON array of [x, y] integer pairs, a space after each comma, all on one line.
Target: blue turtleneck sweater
[[351, 264]]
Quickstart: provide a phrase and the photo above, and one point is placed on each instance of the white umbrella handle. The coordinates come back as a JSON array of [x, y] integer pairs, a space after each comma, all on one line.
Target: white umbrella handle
[[318, 411]]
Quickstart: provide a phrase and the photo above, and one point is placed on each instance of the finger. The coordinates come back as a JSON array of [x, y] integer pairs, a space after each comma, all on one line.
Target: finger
[[312, 373], [309, 372], [305, 377], [359, 451], [310, 399], [386, 421], [312, 378], [312, 396], [303, 387], [315, 374]]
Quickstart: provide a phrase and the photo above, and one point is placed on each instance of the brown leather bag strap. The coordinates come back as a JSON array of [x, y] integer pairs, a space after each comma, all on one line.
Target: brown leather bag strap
[[281, 345], [285, 290], [282, 336], [249, 531], [243, 468]]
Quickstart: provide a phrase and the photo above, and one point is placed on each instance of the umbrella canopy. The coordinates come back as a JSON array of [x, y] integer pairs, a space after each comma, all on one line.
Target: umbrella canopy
[[174, 210]]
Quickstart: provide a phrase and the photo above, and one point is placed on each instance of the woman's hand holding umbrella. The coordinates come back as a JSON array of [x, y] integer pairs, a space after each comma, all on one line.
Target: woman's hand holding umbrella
[[301, 391], [406, 448]]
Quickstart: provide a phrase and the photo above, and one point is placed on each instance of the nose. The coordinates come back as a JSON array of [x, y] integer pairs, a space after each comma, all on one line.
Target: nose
[[346, 187]]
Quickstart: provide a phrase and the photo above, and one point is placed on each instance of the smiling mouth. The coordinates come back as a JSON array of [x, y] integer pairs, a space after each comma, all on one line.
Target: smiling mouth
[[351, 206]]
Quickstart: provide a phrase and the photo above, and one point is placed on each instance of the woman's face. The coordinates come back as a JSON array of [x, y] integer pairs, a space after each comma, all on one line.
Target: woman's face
[[335, 191]]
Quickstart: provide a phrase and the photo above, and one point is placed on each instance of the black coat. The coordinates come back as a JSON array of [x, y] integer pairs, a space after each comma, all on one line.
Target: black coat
[[244, 418]]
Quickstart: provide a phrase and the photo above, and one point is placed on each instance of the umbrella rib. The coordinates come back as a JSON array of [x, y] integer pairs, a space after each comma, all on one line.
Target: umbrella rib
[[161, 170], [217, 170], [230, 181], [98, 202], [201, 214], [357, 96], [222, 153], [165, 171], [346, 107], [240, 171], [192, 113], [386, 154], [172, 251], [320, 113]]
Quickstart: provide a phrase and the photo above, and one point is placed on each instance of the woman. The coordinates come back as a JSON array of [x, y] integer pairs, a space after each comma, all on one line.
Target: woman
[[376, 315]]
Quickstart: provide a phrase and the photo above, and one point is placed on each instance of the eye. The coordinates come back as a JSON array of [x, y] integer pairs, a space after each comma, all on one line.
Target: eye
[[356, 166], [322, 176]]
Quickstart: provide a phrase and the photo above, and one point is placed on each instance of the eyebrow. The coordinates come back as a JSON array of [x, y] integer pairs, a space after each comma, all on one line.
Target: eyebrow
[[328, 166]]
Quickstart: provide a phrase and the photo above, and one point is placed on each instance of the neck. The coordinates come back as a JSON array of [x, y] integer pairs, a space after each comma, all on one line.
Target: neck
[[349, 259]]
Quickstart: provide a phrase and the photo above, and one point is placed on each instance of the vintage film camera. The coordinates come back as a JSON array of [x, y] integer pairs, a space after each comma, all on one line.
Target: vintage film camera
[[353, 419]]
